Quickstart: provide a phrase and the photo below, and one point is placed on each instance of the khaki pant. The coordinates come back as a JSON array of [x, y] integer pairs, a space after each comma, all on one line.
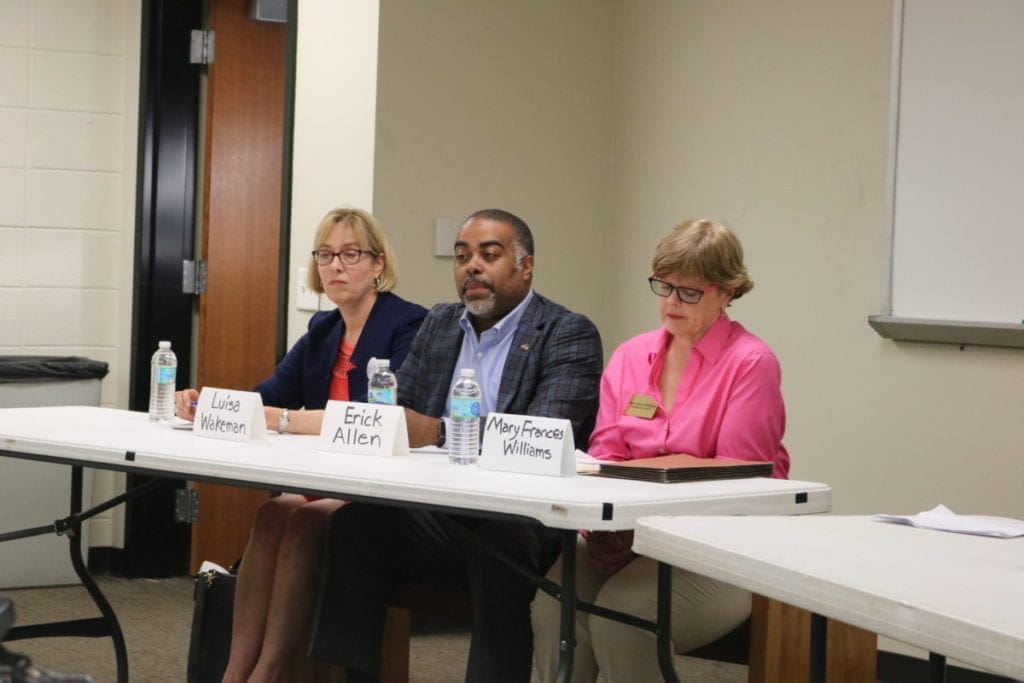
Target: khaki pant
[[703, 610]]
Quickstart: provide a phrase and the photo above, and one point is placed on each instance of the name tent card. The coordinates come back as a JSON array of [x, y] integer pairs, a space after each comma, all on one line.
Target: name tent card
[[527, 444], [230, 415], [364, 429]]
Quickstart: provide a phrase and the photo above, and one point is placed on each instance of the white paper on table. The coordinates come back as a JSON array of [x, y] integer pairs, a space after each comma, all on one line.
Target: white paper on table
[[586, 463], [430, 450], [942, 518]]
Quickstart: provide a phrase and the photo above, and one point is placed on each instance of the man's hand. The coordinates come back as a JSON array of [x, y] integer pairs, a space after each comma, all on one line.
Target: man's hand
[[422, 429], [609, 551]]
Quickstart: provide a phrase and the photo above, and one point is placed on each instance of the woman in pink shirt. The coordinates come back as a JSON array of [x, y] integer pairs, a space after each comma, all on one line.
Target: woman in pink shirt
[[700, 384]]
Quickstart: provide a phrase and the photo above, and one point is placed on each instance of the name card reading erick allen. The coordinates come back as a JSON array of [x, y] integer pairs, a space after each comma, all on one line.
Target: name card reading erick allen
[[364, 429], [531, 445], [230, 415]]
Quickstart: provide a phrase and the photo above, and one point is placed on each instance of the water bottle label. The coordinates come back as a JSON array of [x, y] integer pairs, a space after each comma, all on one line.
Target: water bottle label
[[166, 375], [381, 395], [465, 406]]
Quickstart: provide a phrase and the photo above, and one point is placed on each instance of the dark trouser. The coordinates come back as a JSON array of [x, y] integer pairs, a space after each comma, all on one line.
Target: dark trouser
[[371, 549]]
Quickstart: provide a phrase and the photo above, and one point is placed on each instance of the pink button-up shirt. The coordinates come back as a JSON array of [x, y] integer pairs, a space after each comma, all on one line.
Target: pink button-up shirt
[[728, 402]]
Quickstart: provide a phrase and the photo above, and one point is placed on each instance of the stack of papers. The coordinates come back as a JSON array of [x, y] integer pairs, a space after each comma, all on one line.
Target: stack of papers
[[944, 519], [669, 469]]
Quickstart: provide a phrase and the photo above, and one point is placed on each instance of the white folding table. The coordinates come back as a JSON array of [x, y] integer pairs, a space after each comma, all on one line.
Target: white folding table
[[953, 594], [126, 441]]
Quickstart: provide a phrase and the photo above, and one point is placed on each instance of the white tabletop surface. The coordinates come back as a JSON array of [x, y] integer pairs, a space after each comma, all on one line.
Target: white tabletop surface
[[102, 437], [953, 594]]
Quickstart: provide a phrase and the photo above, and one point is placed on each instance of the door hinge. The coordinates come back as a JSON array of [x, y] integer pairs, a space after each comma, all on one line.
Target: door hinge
[[193, 277], [186, 506], [201, 47]]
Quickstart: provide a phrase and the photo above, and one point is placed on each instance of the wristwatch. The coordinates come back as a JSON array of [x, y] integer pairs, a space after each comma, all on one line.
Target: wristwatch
[[283, 422], [440, 432]]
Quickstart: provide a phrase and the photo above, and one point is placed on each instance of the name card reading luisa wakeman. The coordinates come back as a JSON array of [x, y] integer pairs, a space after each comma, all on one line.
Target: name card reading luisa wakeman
[[229, 414], [531, 445], [364, 429]]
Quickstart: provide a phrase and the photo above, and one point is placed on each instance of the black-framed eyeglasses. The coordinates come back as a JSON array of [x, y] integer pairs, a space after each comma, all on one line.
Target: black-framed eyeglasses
[[688, 295], [348, 257]]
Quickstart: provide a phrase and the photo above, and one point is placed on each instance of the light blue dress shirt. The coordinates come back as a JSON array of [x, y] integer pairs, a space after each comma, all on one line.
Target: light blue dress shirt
[[486, 354]]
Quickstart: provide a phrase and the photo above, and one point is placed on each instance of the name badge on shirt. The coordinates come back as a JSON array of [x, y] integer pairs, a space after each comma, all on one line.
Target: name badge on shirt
[[230, 415], [364, 428], [642, 405]]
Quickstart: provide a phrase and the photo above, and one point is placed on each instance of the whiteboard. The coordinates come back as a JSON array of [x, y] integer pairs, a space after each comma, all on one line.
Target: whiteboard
[[958, 190]]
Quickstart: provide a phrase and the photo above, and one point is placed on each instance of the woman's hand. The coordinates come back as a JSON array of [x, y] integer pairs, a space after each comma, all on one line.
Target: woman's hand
[[609, 551], [273, 415], [185, 404], [299, 421]]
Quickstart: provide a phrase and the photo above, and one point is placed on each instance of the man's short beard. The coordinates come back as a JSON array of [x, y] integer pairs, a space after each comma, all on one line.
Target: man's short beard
[[481, 308]]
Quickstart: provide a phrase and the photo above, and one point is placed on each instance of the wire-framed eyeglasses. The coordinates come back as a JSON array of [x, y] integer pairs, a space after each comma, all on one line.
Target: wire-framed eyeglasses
[[687, 295], [348, 257]]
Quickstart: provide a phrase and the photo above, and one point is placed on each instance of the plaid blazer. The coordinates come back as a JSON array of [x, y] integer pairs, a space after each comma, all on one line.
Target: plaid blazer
[[553, 368]]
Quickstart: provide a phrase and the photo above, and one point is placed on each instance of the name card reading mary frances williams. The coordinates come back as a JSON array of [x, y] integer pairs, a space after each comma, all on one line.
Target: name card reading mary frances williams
[[528, 444], [526, 438]]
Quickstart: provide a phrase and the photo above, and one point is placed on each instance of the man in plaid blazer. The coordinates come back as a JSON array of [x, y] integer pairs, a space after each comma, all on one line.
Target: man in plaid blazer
[[544, 360]]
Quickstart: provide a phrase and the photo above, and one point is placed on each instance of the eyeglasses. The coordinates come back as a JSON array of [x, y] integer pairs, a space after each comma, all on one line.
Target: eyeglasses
[[348, 257], [687, 295]]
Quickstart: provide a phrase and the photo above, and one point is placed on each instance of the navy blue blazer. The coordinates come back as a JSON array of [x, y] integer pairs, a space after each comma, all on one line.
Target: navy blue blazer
[[303, 377]]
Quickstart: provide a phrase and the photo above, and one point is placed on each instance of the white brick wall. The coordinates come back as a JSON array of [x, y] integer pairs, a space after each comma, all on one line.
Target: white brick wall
[[68, 95], [68, 126]]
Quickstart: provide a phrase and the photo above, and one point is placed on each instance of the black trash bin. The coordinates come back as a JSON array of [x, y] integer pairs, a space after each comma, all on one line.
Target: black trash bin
[[50, 381], [35, 492]]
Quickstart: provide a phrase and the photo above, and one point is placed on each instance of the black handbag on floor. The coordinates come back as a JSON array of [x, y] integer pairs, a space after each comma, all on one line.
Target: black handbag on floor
[[210, 641]]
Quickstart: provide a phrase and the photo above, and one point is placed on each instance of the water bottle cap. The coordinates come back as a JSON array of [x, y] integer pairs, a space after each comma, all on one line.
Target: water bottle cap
[[383, 364], [165, 345], [467, 372]]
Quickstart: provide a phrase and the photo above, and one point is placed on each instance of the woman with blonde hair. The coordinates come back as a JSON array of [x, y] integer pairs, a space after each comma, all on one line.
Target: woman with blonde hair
[[353, 265]]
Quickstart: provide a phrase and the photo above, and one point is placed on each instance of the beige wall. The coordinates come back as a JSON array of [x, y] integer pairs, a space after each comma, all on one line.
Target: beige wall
[[494, 104], [774, 117]]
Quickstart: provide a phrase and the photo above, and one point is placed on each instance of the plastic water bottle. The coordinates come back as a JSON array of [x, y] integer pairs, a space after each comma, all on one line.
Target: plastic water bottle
[[383, 387], [162, 379], [464, 413]]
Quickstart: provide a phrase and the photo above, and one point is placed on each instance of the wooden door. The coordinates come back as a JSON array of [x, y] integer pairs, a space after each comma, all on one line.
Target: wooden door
[[241, 208]]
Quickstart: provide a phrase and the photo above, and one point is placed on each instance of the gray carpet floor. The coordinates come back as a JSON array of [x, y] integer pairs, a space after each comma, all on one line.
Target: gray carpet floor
[[156, 615]]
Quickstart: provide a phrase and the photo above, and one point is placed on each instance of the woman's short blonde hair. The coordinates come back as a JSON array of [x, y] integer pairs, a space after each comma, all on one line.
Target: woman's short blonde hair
[[704, 250], [369, 234]]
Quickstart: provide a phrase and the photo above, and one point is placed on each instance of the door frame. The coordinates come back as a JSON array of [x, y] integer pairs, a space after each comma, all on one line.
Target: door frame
[[154, 544]]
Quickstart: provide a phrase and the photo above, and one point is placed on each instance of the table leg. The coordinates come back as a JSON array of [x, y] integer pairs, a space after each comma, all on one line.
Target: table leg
[[75, 544], [567, 635], [94, 627], [668, 669], [936, 668], [819, 643]]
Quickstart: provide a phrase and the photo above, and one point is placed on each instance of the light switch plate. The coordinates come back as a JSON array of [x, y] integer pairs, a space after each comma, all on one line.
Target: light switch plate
[[306, 299], [445, 232]]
